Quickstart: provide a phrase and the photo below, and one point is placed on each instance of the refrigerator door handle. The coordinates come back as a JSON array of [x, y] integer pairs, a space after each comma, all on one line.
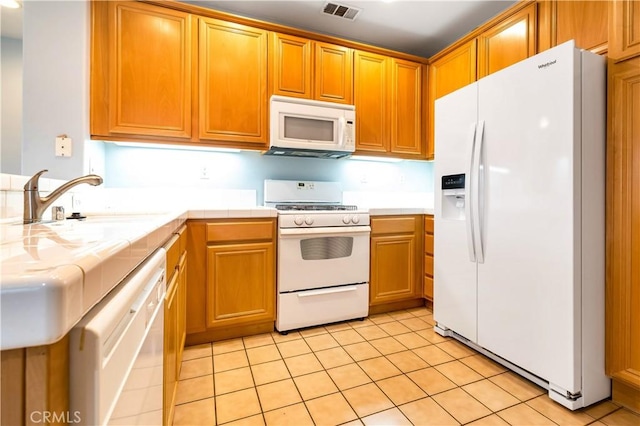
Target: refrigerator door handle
[[477, 191], [469, 196]]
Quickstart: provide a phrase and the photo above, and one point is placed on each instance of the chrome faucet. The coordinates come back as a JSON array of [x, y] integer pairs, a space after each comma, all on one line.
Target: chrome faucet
[[35, 205]]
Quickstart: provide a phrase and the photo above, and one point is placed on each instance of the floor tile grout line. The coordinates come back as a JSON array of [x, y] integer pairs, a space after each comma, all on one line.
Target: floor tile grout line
[[540, 412], [350, 327]]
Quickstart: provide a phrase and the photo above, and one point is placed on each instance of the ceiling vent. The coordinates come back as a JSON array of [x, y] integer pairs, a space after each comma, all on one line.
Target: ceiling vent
[[341, 10]]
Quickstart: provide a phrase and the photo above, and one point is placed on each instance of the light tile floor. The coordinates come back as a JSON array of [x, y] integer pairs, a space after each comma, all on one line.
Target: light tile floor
[[390, 369]]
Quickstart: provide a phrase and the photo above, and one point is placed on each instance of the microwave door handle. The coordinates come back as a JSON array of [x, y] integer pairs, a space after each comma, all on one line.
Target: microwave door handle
[[341, 127]]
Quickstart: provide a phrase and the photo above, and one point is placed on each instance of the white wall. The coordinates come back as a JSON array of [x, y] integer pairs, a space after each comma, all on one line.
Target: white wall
[[56, 59], [11, 118]]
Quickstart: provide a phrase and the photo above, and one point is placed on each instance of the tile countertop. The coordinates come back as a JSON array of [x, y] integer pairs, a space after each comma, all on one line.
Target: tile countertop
[[388, 211], [53, 273]]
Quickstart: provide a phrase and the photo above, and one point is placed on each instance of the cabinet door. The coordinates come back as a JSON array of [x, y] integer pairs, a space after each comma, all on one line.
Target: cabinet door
[[583, 21], [406, 107], [371, 93], [181, 310], [148, 88], [170, 349], [508, 42], [240, 284], [333, 73], [447, 74], [623, 232], [290, 65], [233, 82], [625, 29], [392, 268]]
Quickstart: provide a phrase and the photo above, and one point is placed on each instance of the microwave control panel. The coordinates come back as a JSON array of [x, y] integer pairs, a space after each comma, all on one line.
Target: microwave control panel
[[349, 130]]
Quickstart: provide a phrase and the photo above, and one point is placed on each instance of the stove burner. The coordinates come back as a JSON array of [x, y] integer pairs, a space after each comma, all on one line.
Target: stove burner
[[315, 207]]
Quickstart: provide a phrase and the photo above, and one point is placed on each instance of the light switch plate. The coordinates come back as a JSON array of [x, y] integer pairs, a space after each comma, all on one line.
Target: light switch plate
[[63, 146]]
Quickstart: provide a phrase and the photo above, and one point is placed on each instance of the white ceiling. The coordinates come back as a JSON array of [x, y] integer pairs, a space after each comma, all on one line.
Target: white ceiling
[[419, 27]]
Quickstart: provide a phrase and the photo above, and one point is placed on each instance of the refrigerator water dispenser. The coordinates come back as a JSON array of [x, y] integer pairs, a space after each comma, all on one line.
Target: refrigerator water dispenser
[[453, 196]]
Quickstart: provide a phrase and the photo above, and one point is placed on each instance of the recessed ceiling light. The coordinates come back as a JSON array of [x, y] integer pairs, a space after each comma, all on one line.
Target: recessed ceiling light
[[11, 4]]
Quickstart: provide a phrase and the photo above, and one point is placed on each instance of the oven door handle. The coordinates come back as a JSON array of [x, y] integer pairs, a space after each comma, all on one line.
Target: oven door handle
[[312, 293], [338, 230]]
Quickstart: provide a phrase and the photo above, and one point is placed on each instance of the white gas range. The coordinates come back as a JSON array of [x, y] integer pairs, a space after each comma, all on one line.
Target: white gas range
[[323, 254]]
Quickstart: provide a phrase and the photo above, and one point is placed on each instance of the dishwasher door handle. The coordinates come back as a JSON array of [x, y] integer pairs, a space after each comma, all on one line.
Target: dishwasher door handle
[[327, 291]]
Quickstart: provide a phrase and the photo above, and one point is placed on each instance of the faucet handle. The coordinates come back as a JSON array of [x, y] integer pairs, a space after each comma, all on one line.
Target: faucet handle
[[32, 184]]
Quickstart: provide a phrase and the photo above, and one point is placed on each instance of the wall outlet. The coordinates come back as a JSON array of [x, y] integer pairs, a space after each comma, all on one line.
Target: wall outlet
[[63, 146], [204, 172], [76, 202]]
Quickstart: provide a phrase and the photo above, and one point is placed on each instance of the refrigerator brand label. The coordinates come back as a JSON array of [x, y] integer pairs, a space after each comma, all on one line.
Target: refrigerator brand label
[[548, 64]]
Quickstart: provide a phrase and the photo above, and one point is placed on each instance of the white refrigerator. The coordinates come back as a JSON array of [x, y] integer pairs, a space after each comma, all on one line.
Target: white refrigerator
[[519, 220]]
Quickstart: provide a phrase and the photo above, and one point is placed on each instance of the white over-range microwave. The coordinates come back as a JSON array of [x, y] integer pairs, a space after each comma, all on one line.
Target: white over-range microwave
[[308, 128]]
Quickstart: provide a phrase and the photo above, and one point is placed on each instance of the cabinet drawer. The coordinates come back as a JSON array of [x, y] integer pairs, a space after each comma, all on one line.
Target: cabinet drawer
[[428, 224], [239, 231], [428, 265], [182, 235], [428, 244], [393, 225], [173, 255]]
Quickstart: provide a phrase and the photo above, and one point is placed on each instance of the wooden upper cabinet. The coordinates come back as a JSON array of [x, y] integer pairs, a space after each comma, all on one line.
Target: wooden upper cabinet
[[509, 41], [290, 65], [141, 70], [333, 73], [371, 99], [406, 107], [453, 71], [624, 40], [584, 21], [232, 83], [447, 74], [304, 68], [388, 100]]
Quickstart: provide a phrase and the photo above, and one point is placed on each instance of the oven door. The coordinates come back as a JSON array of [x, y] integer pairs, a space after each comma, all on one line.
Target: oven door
[[311, 258]]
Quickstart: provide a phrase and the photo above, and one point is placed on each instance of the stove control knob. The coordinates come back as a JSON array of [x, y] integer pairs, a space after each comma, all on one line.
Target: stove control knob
[[346, 219], [355, 219], [298, 220], [308, 220]]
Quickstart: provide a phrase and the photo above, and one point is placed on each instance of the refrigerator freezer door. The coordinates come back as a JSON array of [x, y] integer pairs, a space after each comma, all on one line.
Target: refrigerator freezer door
[[529, 283], [455, 304]]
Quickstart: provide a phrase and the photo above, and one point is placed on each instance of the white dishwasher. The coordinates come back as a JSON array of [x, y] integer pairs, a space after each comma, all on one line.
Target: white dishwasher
[[116, 352]]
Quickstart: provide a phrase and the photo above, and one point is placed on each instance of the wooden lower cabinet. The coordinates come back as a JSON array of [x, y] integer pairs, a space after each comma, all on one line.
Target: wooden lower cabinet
[[240, 284], [170, 349], [174, 319], [396, 250], [35, 381], [181, 330], [427, 290], [231, 293], [623, 232]]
